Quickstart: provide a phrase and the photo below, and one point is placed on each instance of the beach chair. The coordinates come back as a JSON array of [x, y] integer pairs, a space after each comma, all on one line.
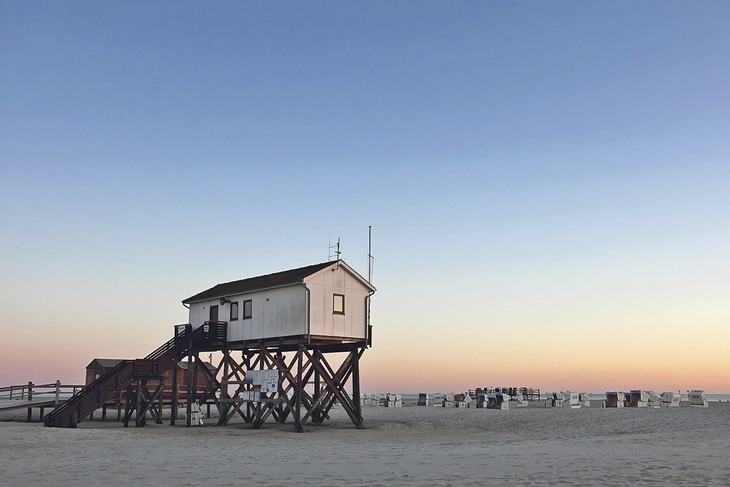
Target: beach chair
[[697, 399], [422, 399], [584, 400], [497, 400], [393, 400], [638, 399], [614, 400], [554, 400], [519, 402], [438, 400], [196, 415], [449, 400], [571, 400], [481, 400], [655, 400], [549, 399], [463, 400], [670, 399]]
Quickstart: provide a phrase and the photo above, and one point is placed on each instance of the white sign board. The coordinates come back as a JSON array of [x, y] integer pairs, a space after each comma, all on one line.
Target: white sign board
[[267, 379]]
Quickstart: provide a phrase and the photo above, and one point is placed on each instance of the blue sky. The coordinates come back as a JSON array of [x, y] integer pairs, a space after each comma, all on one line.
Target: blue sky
[[536, 172]]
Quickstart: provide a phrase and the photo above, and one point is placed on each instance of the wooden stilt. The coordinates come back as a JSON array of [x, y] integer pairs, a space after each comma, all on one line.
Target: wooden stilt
[[356, 386], [189, 402], [298, 401], [316, 413], [175, 394], [225, 406]]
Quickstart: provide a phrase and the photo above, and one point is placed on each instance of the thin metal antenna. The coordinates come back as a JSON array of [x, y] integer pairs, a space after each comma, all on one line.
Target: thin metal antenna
[[337, 251], [370, 253]]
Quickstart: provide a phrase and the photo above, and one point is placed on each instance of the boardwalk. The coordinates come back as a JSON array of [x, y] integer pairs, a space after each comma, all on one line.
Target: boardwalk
[[35, 396]]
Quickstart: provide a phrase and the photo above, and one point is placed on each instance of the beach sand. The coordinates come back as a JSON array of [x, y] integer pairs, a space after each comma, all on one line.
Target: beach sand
[[399, 446]]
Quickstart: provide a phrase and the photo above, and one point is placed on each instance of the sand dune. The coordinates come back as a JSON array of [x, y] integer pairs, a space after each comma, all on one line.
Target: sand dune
[[400, 446]]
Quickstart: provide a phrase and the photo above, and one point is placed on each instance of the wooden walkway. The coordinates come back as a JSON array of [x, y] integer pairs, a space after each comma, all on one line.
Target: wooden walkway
[[11, 404], [35, 396]]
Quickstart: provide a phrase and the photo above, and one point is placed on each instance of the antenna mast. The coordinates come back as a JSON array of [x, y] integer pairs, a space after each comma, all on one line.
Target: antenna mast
[[370, 253], [337, 251]]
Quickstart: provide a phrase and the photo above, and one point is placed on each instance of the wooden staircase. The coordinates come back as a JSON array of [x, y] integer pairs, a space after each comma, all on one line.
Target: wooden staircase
[[120, 378]]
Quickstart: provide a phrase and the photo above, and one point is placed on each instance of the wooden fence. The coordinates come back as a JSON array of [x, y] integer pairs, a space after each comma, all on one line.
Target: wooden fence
[[55, 392]]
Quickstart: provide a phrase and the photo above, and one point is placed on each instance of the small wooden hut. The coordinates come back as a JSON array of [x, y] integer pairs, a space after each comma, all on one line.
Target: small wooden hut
[[100, 366]]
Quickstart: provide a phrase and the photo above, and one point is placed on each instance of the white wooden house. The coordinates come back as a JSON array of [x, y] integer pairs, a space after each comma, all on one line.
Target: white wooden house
[[326, 302]]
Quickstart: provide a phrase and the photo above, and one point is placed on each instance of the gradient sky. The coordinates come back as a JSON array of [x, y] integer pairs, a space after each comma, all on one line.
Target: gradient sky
[[548, 182]]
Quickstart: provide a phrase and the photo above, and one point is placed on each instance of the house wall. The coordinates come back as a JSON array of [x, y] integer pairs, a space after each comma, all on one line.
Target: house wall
[[277, 312], [323, 285], [282, 312]]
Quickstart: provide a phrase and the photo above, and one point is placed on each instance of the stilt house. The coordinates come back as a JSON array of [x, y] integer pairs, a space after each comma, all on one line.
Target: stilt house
[[322, 303], [316, 314]]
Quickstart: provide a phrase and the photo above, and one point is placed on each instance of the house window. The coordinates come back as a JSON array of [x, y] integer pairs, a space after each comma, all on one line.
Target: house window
[[247, 309], [338, 304], [214, 313], [234, 311]]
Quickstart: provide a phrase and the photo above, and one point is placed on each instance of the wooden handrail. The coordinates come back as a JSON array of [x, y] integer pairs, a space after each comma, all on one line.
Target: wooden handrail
[[23, 392]]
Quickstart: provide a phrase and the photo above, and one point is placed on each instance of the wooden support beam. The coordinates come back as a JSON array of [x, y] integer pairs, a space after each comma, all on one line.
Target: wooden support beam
[[147, 402], [194, 372], [223, 410], [346, 375], [128, 407], [189, 404], [141, 385], [316, 413], [298, 400], [356, 385], [293, 383], [320, 362], [175, 393], [327, 398]]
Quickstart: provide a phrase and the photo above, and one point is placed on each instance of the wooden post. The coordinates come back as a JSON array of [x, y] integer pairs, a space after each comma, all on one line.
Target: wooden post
[[118, 394], [175, 393], [140, 419], [249, 387], [280, 405], [223, 409], [189, 406], [257, 413], [161, 393], [298, 402], [58, 393], [195, 379], [356, 384], [316, 415], [30, 398], [128, 406]]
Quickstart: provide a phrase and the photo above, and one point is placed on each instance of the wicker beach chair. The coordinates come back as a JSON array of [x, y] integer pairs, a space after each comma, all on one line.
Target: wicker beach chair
[[697, 399]]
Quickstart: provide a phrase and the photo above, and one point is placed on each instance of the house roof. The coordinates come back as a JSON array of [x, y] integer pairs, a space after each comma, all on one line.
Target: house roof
[[105, 362], [184, 365], [282, 278], [113, 362]]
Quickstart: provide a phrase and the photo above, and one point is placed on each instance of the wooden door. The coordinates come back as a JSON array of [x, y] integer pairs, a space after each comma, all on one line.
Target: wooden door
[[214, 313]]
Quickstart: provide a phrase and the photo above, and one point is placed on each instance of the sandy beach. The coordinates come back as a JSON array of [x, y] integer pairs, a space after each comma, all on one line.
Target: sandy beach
[[399, 446]]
